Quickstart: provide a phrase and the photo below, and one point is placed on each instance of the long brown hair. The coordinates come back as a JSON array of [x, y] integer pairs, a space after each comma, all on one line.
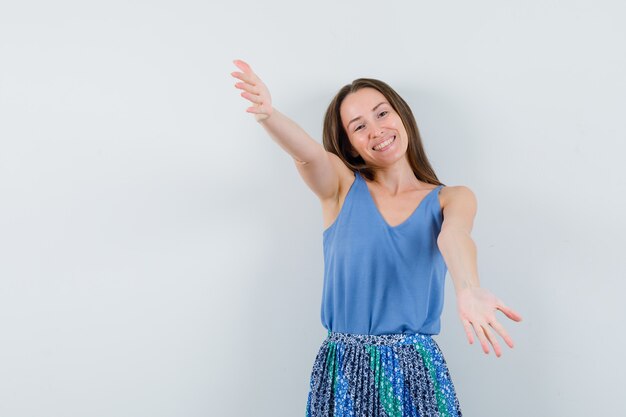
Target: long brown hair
[[335, 137]]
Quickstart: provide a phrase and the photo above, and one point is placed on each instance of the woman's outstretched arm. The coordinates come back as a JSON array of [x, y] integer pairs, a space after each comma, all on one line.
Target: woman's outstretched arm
[[476, 306], [319, 168]]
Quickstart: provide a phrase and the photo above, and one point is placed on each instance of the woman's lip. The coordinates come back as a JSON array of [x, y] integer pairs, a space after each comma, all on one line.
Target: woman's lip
[[388, 146]]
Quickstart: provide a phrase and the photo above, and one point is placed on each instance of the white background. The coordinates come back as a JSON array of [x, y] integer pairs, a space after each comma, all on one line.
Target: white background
[[160, 255]]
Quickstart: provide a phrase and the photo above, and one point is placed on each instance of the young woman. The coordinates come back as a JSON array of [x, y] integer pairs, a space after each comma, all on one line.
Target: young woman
[[391, 232]]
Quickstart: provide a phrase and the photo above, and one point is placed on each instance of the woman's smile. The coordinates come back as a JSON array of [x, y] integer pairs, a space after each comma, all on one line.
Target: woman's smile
[[381, 147]]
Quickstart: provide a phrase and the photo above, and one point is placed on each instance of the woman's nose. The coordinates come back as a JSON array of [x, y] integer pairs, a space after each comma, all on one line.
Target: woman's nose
[[377, 132]]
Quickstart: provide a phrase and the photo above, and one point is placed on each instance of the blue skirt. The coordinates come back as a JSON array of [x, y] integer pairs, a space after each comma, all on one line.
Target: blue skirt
[[359, 375]]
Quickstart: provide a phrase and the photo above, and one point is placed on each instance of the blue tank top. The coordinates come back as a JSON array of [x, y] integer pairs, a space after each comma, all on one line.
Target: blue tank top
[[380, 279]]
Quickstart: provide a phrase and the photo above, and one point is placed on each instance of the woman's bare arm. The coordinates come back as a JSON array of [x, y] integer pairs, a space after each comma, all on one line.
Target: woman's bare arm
[[476, 305], [319, 169]]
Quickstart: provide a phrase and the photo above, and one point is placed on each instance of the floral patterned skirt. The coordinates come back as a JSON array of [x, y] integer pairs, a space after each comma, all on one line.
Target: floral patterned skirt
[[359, 375]]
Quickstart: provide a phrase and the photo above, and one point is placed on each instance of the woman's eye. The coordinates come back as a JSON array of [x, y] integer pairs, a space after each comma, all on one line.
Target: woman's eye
[[383, 112], [358, 127]]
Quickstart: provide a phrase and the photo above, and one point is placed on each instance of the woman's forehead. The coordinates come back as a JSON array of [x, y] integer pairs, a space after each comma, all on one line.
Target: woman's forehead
[[363, 98], [360, 103]]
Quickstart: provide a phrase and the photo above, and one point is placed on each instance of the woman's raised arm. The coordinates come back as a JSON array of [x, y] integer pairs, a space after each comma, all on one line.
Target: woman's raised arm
[[319, 169]]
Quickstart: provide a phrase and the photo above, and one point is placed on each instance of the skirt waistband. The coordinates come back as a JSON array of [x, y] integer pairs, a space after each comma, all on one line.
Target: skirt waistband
[[380, 339]]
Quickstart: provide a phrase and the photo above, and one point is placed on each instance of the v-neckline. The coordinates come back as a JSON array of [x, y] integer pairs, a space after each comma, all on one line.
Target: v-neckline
[[405, 221]]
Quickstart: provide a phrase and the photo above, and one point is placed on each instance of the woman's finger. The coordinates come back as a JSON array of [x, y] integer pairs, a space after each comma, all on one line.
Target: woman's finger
[[259, 114], [243, 77], [247, 87], [492, 339], [481, 336], [252, 97], [502, 332], [468, 331], [246, 70], [254, 109], [243, 65], [509, 312]]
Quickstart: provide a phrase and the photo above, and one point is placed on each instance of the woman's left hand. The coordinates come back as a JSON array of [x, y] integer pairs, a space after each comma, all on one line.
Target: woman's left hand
[[477, 307]]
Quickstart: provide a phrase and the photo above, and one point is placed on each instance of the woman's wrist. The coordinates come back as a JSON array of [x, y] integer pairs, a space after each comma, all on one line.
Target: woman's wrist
[[466, 286]]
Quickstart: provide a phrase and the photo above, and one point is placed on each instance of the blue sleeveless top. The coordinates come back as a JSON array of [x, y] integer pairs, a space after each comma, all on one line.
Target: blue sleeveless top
[[380, 279]]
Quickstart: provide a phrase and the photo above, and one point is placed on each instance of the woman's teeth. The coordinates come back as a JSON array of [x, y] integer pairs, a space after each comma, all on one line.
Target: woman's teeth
[[384, 144]]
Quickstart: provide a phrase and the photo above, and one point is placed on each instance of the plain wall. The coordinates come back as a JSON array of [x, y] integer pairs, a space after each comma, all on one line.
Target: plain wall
[[160, 255]]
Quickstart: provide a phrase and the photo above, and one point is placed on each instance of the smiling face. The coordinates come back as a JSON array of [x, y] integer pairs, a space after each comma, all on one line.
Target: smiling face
[[374, 128]]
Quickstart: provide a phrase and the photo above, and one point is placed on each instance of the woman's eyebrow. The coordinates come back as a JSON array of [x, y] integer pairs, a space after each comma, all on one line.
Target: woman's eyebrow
[[358, 117]]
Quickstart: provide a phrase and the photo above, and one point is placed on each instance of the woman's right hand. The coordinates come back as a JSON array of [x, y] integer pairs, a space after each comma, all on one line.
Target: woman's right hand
[[254, 90]]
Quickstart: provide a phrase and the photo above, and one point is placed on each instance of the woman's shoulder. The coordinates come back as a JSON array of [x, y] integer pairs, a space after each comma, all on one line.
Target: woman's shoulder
[[456, 194]]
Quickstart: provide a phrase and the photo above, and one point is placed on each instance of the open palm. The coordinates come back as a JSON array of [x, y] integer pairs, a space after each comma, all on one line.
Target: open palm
[[477, 309]]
